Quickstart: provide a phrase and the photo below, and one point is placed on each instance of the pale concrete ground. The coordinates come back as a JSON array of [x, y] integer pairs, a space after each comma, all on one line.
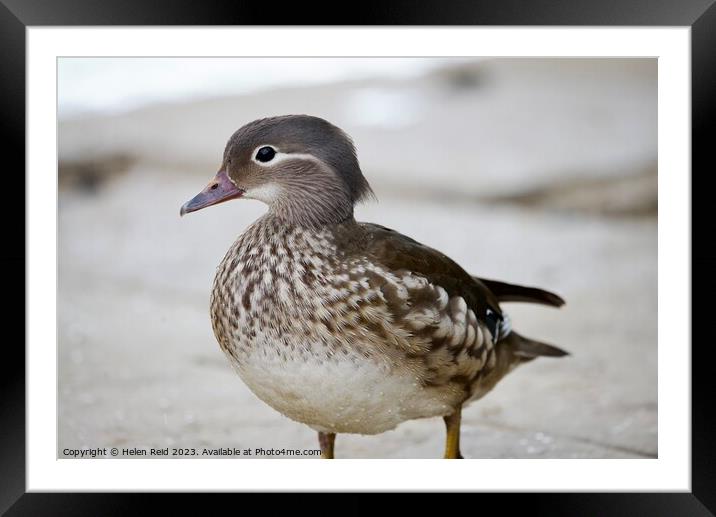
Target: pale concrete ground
[[571, 207]]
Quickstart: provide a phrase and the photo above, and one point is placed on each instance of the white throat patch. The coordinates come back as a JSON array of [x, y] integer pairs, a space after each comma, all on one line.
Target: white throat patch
[[267, 193]]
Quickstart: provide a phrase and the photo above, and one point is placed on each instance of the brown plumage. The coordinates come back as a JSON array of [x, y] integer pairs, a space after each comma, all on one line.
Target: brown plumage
[[505, 292], [341, 325]]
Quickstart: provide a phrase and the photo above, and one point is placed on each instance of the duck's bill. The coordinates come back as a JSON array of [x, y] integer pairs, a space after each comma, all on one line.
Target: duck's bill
[[219, 189]]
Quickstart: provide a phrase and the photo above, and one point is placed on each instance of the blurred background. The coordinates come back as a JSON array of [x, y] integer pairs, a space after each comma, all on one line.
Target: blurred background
[[533, 171]]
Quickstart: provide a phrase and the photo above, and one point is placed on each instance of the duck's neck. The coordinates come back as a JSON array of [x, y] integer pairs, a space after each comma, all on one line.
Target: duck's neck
[[311, 211], [311, 199]]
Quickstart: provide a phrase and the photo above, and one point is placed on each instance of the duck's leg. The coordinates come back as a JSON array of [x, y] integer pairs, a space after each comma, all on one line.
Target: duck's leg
[[326, 441], [452, 440]]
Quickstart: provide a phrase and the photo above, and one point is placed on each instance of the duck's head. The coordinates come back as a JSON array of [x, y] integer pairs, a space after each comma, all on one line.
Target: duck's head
[[303, 167]]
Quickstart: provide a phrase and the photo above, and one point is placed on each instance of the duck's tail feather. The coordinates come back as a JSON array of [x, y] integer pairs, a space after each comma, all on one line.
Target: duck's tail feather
[[517, 293], [527, 349]]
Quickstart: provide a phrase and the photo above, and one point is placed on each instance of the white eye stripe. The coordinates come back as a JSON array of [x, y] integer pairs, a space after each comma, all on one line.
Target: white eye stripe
[[280, 157]]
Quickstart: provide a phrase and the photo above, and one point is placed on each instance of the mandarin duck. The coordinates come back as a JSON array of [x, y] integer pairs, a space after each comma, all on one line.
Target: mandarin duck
[[344, 326]]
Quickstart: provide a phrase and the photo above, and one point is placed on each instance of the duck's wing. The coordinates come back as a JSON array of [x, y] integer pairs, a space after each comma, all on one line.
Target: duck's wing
[[398, 252], [483, 296]]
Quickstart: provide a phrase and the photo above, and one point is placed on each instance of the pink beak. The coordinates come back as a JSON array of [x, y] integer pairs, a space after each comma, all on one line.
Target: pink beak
[[219, 189]]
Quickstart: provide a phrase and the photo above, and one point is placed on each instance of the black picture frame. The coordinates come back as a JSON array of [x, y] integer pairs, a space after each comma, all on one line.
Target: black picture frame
[[17, 15]]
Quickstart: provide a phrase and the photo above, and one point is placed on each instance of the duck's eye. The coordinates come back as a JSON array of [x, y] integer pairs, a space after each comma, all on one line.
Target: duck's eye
[[265, 154]]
